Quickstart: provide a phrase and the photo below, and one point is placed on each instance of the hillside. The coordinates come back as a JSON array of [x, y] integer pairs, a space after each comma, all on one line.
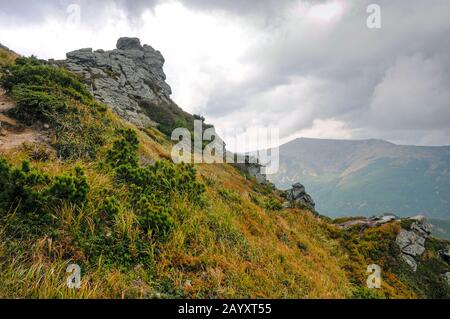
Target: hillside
[[368, 177], [99, 191]]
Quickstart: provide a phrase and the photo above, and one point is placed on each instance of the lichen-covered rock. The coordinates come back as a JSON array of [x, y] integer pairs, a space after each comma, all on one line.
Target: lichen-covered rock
[[124, 77], [421, 225]]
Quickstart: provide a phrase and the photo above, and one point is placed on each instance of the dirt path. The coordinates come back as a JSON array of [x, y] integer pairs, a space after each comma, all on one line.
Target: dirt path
[[12, 133]]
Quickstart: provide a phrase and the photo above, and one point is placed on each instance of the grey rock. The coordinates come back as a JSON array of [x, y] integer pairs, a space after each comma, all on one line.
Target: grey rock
[[410, 243], [251, 166], [421, 225], [373, 221], [446, 277], [297, 196], [124, 78], [445, 254], [129, 44]]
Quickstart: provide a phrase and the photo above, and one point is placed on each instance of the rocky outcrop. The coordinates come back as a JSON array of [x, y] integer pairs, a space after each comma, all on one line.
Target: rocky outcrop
[[253, 168], [446, 277], [369, 222], [412, 241], [126, 79], [297, 196]]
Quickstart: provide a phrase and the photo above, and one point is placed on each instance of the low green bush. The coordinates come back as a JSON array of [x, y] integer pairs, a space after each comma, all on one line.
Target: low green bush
[[31, 198], [154, 186]]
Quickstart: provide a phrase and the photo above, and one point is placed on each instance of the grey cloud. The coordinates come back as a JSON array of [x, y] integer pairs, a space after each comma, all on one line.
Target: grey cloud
[[356, 65], [390, 83]]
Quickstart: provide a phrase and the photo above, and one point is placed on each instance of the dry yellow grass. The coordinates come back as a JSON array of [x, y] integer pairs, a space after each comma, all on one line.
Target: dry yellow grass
[[224, 249]]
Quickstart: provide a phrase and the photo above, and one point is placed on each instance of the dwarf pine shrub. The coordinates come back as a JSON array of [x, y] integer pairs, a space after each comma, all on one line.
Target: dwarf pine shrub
[[31, 197], [70, 188], [154, 186]]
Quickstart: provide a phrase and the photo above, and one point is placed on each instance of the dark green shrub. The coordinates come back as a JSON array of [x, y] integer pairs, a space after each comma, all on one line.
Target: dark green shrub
[[31, 72], [21, 188], [152, 187], [113, 250]]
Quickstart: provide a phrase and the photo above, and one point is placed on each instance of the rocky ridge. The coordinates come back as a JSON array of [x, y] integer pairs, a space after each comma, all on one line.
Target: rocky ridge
[[412, 241], [124, 77]]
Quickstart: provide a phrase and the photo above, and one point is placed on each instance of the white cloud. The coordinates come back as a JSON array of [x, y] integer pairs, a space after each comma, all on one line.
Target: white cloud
[[327, 129]]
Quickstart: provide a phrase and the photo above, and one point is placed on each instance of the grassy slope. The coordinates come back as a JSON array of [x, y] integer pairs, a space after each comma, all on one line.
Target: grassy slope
[[227, 247], [230, 245]]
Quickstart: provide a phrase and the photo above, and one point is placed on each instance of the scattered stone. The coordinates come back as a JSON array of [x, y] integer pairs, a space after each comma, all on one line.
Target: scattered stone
[[297, 196], [124, 78]]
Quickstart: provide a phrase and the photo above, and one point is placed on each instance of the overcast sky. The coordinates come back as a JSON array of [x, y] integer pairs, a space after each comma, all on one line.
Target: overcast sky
[[312, 67]]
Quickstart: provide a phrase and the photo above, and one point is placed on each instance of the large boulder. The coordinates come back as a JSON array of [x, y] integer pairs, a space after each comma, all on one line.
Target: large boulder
[[128, 79], [446, 277], [421, 225]]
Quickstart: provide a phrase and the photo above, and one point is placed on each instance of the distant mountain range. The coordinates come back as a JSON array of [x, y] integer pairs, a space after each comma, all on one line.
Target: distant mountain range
[[367, 177]]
